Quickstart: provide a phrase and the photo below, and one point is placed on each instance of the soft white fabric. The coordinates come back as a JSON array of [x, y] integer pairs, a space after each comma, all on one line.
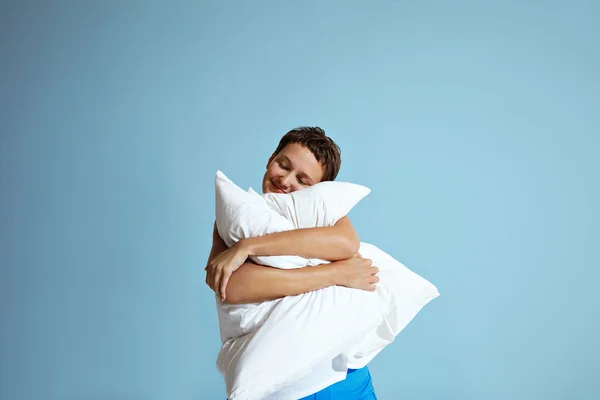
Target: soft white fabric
[[291, 347], [243, 214]]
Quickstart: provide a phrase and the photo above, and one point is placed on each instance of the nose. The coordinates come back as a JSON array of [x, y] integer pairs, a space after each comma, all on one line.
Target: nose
[[285, 181]]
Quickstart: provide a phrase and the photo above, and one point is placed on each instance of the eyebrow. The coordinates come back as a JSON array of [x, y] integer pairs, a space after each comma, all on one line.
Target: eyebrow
[[301, 173]]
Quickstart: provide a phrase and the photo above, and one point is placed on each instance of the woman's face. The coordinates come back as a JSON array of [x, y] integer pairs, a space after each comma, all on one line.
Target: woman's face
[[294, 168]]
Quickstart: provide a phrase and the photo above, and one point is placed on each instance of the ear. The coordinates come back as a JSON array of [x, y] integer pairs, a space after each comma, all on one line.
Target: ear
[[270, 160]]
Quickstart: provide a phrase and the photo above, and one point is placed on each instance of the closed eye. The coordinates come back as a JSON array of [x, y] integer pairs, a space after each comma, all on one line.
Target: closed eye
[[303, 182]]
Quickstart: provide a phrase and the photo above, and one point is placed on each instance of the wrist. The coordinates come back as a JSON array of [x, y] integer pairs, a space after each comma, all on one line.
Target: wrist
[[247, 246], [335, 273]]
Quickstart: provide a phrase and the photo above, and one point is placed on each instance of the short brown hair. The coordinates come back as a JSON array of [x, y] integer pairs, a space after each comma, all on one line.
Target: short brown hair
[[327, 153]]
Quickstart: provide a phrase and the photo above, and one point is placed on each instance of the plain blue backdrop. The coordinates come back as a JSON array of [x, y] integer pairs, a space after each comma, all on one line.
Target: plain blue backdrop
[[475, 123]]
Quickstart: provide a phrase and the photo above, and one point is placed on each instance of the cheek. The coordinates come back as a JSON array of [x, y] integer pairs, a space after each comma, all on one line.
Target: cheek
[[295, 186], [274, 170]]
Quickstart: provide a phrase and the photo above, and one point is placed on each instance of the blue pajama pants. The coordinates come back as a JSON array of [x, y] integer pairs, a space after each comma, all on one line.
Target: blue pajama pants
[[356, 386]]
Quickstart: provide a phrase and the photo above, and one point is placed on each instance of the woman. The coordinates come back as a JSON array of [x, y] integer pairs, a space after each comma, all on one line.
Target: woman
[[305, 156]]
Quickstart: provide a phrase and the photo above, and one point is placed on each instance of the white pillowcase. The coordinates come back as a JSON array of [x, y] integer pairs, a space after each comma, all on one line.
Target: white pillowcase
[[269, 346], [243, 214]]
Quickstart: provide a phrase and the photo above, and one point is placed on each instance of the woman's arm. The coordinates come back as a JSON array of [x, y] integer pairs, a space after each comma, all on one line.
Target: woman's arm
[[332, 243], [254, 283]]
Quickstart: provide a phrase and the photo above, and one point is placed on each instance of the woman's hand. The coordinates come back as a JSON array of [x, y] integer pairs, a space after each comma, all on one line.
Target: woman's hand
[[220, 268], [357, 273]]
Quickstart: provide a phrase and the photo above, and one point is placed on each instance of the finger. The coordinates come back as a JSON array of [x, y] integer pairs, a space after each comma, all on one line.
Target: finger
[[374, 270], [375, 279], [224, 282], [217, 280], [368, 261], [211, 281], [209, 277]]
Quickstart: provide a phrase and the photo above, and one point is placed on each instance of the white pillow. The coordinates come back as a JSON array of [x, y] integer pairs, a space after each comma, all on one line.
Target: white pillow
[[297, 335], [269, 346], [243, 214], [322, 204]]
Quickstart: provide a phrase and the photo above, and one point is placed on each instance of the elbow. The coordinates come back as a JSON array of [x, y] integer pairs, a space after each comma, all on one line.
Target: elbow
[[233, 295], [354, 245], [228, 300], [349, 240], [238, 291], [351, 246], [232, 300]]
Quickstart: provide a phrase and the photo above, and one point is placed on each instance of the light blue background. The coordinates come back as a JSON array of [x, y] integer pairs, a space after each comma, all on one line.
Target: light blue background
[[475, 124]]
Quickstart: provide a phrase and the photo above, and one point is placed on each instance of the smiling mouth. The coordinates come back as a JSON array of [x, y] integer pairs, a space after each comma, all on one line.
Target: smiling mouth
[[277, 188]]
